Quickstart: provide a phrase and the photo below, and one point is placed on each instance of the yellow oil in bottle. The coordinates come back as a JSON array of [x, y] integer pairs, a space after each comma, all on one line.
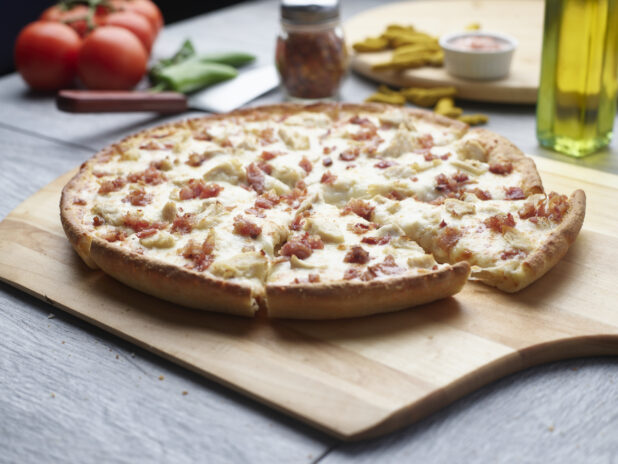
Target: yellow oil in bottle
[[576, 105]]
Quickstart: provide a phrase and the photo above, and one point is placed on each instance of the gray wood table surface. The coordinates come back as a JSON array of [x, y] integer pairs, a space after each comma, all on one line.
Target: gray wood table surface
[[70, 392]]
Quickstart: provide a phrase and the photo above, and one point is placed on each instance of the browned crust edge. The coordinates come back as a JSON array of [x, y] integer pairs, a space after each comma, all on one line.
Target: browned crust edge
[[173, 283], [546, 256], [501, 150], [352, 299]]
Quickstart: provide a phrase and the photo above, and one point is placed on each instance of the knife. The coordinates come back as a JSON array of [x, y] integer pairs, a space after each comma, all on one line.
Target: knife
[[219, 98]]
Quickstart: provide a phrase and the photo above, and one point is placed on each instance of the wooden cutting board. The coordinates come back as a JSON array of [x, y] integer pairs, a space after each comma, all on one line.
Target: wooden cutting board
[[522, 19], [352, 378]]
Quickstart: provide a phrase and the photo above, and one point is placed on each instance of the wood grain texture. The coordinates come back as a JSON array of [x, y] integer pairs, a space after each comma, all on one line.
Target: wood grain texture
[[522, 19], [356, 378]]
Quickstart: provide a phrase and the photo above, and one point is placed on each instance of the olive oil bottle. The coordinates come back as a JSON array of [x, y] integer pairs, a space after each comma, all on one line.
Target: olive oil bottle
[[576, 104]]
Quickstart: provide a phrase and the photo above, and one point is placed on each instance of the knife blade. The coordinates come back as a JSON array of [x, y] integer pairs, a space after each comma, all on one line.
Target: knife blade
[[219, 98]]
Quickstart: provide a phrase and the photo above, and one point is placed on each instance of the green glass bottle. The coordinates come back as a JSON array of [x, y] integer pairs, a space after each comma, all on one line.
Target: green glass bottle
[[576, 104]]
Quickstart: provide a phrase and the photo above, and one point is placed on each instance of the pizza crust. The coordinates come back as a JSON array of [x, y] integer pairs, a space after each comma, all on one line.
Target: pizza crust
[[354, 299]]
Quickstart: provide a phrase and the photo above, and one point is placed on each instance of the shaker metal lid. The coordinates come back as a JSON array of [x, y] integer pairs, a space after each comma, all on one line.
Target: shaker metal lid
[[309, 12]]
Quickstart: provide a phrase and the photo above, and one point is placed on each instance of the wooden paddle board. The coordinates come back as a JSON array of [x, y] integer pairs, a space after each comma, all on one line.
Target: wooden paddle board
[[351, 378], [522, 19]]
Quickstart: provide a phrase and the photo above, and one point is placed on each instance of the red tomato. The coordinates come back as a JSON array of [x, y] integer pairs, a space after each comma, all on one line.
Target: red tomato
[[111, 58], [75, 17], [144, 7], [46, 54], [135, 23]]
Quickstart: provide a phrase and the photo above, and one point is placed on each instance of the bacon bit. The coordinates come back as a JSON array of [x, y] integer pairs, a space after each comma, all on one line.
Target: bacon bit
[[395, 195], [366, 134], [426, 141], [376, 240], [256, 212], [148, 176], [195, 159], [383, 164], [352, 273], [350, 154], [138, 197], [267, 200], [199, 254], [512, 254], [415, 179], [255, 178], [115, 236], [246, 228], [264, 166], [146, 233], [311, 278], [356, 255], [430, 157], [387, 267], [267, 136], [297, 223], [442, 224], [306, 165], [360, 228], [554, 209], [97, 221], [527, 211], [448, 238], [359, 207], [203, 136], [226, 143], [152, 145], [138, 224], [112, 185], [501, 168], [79, 201], [328, 178], [197, 188], [314, 241], [296, 247], [350, 166], [364, 122], [183, 224], [480, 194], [557, 206], [327, 161], [514, 193], [450, 185], [298, 192], [328, 150], [158, 165], [100, 174], [268, 155], [500, 223]]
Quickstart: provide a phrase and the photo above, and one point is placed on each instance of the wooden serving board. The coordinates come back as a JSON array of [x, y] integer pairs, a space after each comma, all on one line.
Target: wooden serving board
[[522, 19], [352, 378]]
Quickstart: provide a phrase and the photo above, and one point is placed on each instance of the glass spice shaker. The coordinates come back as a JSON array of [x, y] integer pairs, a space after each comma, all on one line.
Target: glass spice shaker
[[311, 55]]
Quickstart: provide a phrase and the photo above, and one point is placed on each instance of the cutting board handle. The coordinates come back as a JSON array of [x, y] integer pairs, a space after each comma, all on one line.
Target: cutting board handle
[[113, 101]]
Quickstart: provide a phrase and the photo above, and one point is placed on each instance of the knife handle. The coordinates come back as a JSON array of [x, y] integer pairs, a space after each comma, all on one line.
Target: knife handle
[[113, 101]]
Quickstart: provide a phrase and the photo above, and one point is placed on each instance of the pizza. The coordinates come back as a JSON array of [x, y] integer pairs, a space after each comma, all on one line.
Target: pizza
[[321, 211]]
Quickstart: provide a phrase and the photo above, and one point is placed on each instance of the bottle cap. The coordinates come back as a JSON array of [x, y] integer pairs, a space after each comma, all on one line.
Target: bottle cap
[[302, 12]]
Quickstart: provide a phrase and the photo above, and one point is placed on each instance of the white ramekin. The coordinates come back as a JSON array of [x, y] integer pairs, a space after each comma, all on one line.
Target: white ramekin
[[478, 64]]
